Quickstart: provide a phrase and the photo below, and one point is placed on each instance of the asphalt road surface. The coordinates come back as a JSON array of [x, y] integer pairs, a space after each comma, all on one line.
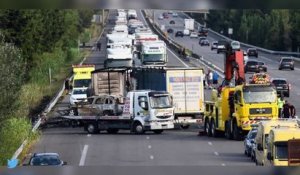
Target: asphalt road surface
[[174, 147]]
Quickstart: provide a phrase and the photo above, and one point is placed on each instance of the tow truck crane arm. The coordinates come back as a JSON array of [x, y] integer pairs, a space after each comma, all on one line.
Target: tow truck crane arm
[[234, 66]]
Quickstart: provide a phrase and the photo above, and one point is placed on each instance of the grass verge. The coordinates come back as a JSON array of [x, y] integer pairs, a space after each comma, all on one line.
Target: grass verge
[[35, 95]]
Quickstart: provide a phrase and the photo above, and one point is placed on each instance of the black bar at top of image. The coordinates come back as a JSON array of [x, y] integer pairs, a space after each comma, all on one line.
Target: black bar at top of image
[[186, 5]]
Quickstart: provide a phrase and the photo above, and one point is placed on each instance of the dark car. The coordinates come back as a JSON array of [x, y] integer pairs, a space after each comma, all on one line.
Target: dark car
[[203, 31], [179, 33], [255, 66], [252, 52], [249, 142], [170, 30], [204, 42], [202, 38], [282, 86], [165, 15], [286, 63], [45, 159], [172, 22]]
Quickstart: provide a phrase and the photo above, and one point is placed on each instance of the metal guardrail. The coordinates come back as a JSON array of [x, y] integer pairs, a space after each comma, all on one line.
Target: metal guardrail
[[48, 108], [283, 53]]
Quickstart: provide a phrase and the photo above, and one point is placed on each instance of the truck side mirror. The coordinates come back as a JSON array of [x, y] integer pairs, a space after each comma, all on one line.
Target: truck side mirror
[[269, 156]]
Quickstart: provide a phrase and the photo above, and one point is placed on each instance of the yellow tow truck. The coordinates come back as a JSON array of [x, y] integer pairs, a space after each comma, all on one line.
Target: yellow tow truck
[[235, 106]]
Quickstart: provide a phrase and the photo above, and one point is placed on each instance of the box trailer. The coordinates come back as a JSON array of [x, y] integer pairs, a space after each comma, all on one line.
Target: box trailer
[[185, 85]]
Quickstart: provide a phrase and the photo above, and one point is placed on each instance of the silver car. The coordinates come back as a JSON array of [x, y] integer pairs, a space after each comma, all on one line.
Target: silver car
[[249, 142]]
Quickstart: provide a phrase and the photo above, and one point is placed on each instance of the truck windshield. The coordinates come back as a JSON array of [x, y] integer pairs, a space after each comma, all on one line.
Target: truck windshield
[[259, 94], [281, 151], [153, 57], [160, 102], [82, 83]]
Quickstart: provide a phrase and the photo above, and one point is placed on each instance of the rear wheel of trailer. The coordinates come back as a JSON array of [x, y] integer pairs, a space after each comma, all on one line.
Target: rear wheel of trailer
[[91, 127]]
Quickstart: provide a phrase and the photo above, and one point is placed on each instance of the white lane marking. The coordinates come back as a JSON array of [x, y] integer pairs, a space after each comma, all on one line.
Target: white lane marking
[[210, 143], [216, 153], [151, 157], [89, 135], [178, 57], [83, 155], [149, 146], [223, 164], [147, 137]]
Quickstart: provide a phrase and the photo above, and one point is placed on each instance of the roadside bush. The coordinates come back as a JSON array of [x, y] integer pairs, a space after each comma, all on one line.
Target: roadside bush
[[13, 132]]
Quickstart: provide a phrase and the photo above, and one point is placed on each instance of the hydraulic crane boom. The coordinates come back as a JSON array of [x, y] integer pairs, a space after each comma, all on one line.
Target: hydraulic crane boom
[[234, 66]]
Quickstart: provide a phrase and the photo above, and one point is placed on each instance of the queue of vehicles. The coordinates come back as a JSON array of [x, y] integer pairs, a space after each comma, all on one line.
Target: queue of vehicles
[[115, 98]]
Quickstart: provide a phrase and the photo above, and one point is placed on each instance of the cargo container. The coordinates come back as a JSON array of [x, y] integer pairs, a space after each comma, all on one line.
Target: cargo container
[[185, 86]]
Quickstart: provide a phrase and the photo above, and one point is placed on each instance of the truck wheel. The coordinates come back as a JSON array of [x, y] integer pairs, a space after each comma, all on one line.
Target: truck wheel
[[228, 133], [236, 132], [158, 131], [185, 126], [213, 130], [207, 127], [92, 128], [138, 128], [112, 131]]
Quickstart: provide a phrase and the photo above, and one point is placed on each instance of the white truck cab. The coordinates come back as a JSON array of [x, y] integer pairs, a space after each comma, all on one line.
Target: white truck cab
[[119, 56], [119, 39], [132, 14], [154, 53]]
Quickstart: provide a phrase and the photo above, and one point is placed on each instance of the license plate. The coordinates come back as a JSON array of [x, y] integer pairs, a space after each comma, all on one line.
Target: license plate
[[164, 126], [279, 88]]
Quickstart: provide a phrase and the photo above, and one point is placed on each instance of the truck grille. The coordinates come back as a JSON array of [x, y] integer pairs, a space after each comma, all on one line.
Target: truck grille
[[163, 117], [260, 111]]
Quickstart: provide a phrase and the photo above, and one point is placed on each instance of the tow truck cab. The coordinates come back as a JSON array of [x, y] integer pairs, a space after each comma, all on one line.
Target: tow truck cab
[[234, 109]]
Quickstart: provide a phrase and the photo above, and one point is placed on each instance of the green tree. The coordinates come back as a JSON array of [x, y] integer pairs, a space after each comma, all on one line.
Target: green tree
[[12, 66]]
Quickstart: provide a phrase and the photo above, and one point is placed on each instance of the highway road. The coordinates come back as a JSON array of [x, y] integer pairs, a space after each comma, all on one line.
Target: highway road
[[175, 147], [271, 61]]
